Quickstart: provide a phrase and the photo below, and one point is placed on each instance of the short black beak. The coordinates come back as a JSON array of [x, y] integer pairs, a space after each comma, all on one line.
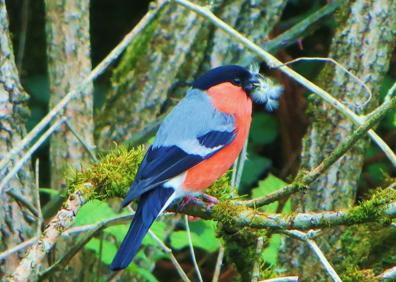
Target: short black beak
[[252, 83]]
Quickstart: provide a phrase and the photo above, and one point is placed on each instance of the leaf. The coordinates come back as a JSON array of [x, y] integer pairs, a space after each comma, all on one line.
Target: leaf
[[147, 275], [264, 129], [108, 249], [94, 211], [254, 167], [158, 228], [270, 184], [270, 254], [205, 239]]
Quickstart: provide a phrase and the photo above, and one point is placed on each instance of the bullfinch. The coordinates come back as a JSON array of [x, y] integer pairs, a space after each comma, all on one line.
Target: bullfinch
[[197, 143]]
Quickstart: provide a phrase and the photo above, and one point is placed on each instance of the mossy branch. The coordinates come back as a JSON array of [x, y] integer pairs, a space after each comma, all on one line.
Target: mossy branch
[[304, 181], [111, 177]]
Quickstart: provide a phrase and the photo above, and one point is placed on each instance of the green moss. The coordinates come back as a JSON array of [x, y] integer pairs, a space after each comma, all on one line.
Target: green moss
[[240, 249], [111, 177], [364, 249], [374, 208], [138, 47], [221, 189]]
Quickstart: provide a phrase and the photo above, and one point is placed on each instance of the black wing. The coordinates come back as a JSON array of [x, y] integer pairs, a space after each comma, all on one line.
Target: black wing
[[162, 163]]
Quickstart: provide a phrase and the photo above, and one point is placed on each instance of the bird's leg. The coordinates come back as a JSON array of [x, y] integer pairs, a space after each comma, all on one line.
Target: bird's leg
[[210, 199]]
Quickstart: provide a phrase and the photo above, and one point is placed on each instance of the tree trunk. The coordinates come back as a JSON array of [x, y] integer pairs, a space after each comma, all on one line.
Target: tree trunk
[[69, 61], [363, 43], [16, 224]]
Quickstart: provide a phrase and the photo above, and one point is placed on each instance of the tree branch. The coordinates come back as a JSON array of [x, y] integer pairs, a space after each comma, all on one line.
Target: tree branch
[[372, 119], [275, 63], [291, 35], [305, 237], [98, 70]]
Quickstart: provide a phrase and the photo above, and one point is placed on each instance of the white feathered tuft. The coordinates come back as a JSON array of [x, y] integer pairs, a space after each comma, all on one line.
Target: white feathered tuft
[[268, 92]]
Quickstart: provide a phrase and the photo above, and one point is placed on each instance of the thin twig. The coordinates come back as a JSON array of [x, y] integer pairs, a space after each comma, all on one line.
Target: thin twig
[[316, 250], [341, 149], [241, 166], [37, 190], [388, 275], [98, 70], [330, 60], [256, 266], [282, 279], [168, 251], [25, 202], [89, 148], [22, 34], [190, 243], [29, 153], [17, 248], [219, 263], [274, 62], [291, 35]]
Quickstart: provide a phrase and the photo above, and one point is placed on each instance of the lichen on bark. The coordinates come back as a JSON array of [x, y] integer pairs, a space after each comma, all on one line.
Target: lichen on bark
[[362, 43], [68, 54], [16, 224]]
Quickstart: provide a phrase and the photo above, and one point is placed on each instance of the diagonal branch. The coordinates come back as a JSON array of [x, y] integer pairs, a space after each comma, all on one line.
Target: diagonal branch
[[306, 180], [274, 62], [305, 237], [312, 21], [98, 70]]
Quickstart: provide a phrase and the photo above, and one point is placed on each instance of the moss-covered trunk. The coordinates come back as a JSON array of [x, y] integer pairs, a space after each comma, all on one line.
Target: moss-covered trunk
[[69, 61], [362, 43], [16, 223]]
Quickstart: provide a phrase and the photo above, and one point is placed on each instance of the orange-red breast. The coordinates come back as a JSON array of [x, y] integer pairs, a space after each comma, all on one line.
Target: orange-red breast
[[196, 144]]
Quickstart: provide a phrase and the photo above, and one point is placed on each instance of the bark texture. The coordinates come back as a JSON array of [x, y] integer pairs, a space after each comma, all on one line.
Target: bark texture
[[363, 44], [176, 47], [68, 53], [16, 224], [69, 62]]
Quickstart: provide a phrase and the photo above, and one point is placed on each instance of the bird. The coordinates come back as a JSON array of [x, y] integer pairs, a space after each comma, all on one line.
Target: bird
[[198, 141]]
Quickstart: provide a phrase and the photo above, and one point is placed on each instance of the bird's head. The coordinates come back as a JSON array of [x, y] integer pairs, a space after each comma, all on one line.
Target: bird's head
[[261, 90]]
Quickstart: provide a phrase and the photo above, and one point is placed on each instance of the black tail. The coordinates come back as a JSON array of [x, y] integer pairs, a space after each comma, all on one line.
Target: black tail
[[150, 205]]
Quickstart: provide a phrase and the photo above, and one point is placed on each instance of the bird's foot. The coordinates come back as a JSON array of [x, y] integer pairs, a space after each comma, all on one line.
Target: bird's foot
[[209, 199]]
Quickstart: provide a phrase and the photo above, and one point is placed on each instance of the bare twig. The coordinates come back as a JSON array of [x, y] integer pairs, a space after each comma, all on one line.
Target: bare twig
[[305, 181], [242, 160], [88, 147], [37, 190], [282, 279], [29, 266], [388, 275], [168, 251], [23, 34], [192, 249], [330, 60], [29, 153], [18, 248], [256, 266], [274, 62], [307, 238], [98, 70], [291, 35], [25, 202], [219, 263]]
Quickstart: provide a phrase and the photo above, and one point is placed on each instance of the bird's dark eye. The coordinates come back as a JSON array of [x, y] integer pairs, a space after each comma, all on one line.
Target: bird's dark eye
[[236, 81]]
